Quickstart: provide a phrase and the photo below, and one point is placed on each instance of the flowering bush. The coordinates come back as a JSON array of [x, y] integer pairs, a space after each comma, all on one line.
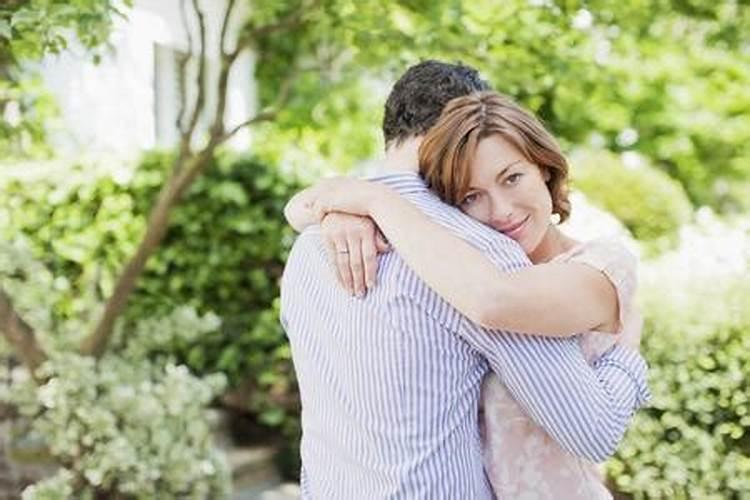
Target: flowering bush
[[224, 252], [131, 423], [134, 428], [693, 441]]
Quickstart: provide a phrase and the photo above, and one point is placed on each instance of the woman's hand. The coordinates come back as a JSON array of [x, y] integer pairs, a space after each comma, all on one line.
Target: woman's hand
[[348, 195], [354, 243]]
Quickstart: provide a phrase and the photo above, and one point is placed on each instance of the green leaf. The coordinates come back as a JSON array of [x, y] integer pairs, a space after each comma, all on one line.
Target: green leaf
[[5, 29]]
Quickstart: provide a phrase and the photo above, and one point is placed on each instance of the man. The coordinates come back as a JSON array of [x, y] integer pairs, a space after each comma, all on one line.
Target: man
[[390, 382]]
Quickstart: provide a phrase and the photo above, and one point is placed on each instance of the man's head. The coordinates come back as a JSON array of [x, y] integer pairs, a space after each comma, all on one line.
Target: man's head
[[419, 96]]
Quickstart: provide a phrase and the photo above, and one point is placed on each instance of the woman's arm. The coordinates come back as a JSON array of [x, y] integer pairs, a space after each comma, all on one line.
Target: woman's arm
[[298, 210], [556, 299], [353, 241]]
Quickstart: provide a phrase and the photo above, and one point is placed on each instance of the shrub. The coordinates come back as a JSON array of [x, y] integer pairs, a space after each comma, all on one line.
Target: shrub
[[648, 202], [693, 441], [132, 424], [223, 253], [131, 428]]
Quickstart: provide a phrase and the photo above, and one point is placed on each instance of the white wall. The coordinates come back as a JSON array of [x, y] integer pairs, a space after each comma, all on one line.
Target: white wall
[[112, 107]]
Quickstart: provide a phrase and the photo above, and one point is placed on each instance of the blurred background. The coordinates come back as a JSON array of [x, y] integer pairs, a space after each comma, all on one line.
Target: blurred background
[[147, 148]]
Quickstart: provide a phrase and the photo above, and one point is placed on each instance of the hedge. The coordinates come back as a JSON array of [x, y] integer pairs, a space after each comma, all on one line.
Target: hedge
[[648, 202], [224, 252]]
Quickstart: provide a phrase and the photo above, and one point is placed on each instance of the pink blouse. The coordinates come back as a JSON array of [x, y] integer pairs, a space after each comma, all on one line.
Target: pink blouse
[[521, 460]]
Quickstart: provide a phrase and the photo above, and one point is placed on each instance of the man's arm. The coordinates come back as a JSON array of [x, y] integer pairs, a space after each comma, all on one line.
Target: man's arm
[[585, 408]]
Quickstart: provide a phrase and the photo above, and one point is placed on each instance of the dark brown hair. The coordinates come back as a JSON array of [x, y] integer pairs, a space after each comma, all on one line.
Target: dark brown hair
[[447, 152], [419, 96]]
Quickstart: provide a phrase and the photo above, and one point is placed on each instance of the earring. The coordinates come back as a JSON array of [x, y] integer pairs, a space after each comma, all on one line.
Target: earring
[[555, 219]]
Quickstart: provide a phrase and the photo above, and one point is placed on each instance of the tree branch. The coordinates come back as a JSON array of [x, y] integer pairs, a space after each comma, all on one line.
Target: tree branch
[[182, 69], [263, 116], [227, 61], [20, 335], [200, 77], [188, 166], [224, 26], [158, 222], [270, 112]]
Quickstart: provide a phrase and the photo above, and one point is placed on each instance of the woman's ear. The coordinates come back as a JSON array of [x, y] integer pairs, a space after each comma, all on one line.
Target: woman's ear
[[546, 174]]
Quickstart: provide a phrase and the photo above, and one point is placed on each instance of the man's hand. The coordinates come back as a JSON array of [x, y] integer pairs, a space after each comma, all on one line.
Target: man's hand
[[354, 243]]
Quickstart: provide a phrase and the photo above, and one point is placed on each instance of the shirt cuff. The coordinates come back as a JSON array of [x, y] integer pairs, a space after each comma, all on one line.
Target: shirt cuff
[[632, 364]]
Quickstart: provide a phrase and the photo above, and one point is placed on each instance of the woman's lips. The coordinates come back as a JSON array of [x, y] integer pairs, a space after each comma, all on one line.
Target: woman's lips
[[515, 229]]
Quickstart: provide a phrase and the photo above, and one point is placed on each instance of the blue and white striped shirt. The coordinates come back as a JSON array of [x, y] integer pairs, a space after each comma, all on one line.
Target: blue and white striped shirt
[[390, 383]]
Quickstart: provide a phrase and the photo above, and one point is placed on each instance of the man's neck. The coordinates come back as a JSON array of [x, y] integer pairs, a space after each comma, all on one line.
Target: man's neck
[[403, 157]]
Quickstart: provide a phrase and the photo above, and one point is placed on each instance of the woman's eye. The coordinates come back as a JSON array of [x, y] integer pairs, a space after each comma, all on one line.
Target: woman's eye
[[513, 179], [469, 199]]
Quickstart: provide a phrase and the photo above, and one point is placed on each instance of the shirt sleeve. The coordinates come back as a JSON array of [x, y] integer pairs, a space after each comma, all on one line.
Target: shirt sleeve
[[585, 408]]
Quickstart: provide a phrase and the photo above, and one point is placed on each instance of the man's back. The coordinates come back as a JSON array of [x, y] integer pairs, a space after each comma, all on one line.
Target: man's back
[[389, 393]]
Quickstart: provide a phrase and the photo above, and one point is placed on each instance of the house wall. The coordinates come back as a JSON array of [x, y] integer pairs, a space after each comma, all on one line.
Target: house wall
[[129, 101]]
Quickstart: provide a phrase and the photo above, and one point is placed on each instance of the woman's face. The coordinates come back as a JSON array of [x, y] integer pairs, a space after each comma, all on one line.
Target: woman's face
[[508, 193]]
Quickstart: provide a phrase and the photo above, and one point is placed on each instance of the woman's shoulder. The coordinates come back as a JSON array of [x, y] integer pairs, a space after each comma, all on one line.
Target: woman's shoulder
[[610, 255], [607, 249]]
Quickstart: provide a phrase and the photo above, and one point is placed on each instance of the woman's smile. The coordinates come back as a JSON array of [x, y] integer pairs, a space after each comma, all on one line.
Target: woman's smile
[[515, 229]]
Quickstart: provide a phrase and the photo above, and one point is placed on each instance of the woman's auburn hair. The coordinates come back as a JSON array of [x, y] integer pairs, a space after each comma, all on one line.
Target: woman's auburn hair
[[448, 149]]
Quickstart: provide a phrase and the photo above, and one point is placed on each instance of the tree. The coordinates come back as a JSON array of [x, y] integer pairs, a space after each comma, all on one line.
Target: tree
[[667, 79]]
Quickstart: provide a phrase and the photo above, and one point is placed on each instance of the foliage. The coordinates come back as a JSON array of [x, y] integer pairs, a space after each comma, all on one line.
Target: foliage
[[224, 253], [27, 107], [33, 28], [29, 29], [132, 422], [126, 426], [649, 203], [693, 441], [668, 80]]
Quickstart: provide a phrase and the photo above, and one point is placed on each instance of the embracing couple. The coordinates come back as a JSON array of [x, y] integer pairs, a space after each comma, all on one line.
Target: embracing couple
[[450, 342]]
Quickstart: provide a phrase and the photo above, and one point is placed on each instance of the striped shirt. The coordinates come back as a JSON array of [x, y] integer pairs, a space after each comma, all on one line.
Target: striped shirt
[[390, 383]]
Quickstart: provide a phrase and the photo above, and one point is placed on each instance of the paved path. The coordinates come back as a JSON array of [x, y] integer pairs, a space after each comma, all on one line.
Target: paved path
[[287, 491]]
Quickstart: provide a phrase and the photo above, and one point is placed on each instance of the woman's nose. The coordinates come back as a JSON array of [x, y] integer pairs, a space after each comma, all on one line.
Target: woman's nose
[[501, 211]]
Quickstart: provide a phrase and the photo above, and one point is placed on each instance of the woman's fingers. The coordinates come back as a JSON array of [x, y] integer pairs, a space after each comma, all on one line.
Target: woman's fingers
[[370, 258], [353, 245], [331, 247], [334, 229], [381, 243], [356, 266], [341, 247]]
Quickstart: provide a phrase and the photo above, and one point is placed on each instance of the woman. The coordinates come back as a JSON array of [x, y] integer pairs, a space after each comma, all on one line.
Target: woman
[[498, 164]]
